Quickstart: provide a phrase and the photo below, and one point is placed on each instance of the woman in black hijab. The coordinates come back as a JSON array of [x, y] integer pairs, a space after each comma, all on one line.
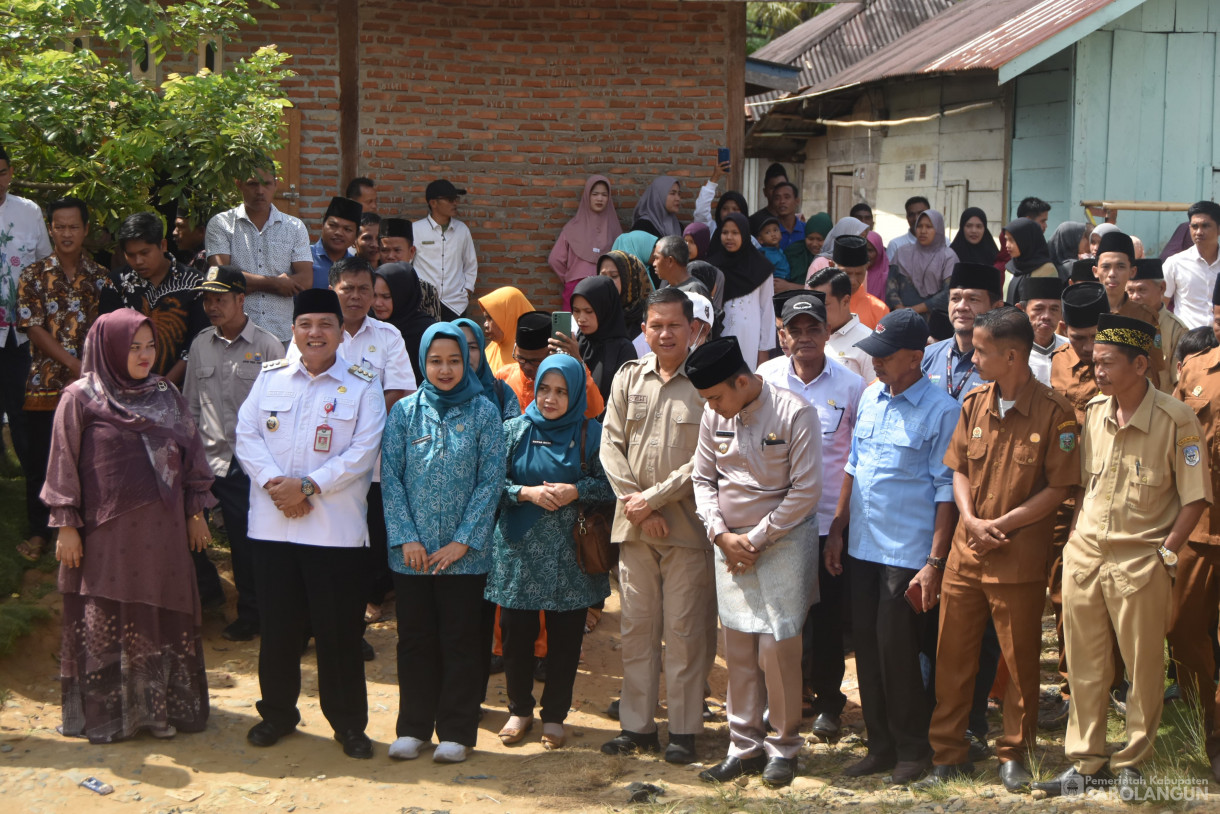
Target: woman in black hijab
[[1031, 257], [397, 285], [604, 346], [973, 242]]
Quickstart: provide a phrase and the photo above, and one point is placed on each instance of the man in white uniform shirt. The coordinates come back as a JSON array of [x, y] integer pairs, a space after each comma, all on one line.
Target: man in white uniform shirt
[[1191, 275], [444, 250], [272, 248], [835, 392], [377, 347], [845, 328], [308, 436], [23, 240]]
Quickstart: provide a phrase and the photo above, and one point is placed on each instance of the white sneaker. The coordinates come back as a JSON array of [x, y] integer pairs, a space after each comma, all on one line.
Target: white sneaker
[[449, 752], [406, 748]]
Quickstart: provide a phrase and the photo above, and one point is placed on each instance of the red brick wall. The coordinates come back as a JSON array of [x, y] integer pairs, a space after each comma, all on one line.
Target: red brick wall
[[517, 101]]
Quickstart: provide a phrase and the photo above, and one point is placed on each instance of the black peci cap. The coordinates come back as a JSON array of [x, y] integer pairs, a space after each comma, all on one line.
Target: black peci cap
[[533, 330], [1084, 303], [850, 251], [344, 208], [714, 362]]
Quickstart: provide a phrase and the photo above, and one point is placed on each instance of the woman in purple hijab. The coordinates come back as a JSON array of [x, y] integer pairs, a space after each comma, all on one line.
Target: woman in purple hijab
[[127, 485]]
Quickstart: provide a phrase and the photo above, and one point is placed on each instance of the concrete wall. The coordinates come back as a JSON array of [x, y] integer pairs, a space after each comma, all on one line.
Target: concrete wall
[[955, 161]]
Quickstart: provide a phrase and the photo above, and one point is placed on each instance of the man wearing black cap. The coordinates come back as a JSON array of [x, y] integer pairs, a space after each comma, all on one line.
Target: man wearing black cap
[[1114, 268], [974, 289], [1145, 475], [1147, 288], [1196, 590], [758, 479], [1082, 271], [1015, 460], [850, 255], [902, 431], [834, 391], [531, 348], [339, 227], [1041, 303], [846, 329], [397, 239], [270, 247], [308, 436], [446, 257], [1190, 275], [224, 361]]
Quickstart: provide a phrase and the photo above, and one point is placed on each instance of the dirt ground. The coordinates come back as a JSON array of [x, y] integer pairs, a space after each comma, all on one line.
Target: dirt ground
[[218, 771]]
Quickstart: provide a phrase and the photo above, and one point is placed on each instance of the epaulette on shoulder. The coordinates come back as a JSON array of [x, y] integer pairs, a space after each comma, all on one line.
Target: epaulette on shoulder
[[274, 363], [361, 373]]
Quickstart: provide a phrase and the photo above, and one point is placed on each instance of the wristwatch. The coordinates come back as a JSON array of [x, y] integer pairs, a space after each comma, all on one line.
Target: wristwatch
[[1168, 557], [307, 487], [936, 562]]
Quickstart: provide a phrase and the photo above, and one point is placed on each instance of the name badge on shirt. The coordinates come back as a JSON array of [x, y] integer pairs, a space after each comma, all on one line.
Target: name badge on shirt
[[539, 443], [723, 434], [423, 440], [321, 438]]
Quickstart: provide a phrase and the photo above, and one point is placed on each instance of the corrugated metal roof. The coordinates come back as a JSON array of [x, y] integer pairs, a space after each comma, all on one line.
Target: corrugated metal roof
[[971, 35], [843, 36]]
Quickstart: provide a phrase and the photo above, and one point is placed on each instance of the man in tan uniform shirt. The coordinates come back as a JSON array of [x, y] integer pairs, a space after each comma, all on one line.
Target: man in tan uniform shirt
[[649, 438], [1147, 288], [1015, 460], [1196, 590], [1146, 484]]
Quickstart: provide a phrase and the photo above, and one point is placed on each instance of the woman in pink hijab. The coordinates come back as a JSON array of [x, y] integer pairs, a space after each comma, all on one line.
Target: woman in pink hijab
[[586, 237], [878, 267]]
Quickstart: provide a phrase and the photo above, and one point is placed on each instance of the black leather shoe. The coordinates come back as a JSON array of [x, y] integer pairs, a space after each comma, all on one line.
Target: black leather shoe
[[1071, 783], [628, 743], [1055, 716], [240, 630], [367, 650], [265, 733], [612, 710], [826, 726], [1015, 777], [779, 772], [945, 774], [732, 768], [681, 750], [908, 771], [872, 764], [355, 744], [1130, 780], [977, 748]]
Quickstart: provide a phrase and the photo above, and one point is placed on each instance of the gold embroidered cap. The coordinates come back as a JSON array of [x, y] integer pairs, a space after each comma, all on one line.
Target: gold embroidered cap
[[1115, 329]]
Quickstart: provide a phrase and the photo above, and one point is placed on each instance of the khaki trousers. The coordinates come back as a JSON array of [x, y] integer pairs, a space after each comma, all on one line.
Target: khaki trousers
[[668, 594], [1192, 629], [764, 677], [1090, 610], [965, 606]]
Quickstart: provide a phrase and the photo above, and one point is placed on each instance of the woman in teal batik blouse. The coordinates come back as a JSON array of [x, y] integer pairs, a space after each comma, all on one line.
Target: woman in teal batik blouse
[[534, 564], [442, 473]]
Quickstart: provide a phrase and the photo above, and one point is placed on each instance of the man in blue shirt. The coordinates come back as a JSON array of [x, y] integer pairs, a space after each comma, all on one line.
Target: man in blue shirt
[[339, 228], [896, 465]]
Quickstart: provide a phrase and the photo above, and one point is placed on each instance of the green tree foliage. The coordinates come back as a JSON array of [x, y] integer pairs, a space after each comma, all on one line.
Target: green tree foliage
[[76, 122], [766, 21]]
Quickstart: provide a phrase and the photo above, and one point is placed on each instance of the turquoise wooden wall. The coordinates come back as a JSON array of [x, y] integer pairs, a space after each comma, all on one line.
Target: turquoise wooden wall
[[1144, 111], [1041, 139]]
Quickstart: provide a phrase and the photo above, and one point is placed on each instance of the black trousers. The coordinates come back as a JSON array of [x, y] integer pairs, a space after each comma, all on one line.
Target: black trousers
[[38, 426], [889, 638], [440, 656], [379, 581], [564, 632], [318, 588], [233, 492], [822, 661], [14, 370]]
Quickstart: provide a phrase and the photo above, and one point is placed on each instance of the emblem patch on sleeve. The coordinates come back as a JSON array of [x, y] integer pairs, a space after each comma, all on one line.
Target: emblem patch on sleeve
[[1067, 441], [1191, 454]]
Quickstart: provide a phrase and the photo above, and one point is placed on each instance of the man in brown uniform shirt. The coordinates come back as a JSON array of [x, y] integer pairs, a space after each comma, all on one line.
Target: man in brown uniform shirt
[[1015, 460], [1072, 378], [1115, 267], [1145, 486], [1147, 288], [1196, 591]]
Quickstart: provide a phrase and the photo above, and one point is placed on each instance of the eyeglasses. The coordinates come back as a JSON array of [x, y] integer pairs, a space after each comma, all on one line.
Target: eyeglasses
[[525, 360]]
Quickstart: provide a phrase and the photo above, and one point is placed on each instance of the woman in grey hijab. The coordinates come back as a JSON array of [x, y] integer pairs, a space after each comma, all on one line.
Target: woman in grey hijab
[[657, 210]]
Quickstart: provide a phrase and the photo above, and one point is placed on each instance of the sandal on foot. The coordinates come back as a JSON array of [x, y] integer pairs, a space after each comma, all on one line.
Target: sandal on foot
[[553, 736], [592, 617], [31, 551], [515, 730], [372, 614]]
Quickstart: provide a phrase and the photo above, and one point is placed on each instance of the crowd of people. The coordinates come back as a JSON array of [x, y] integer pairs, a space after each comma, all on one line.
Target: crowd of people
[[791, 435]]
